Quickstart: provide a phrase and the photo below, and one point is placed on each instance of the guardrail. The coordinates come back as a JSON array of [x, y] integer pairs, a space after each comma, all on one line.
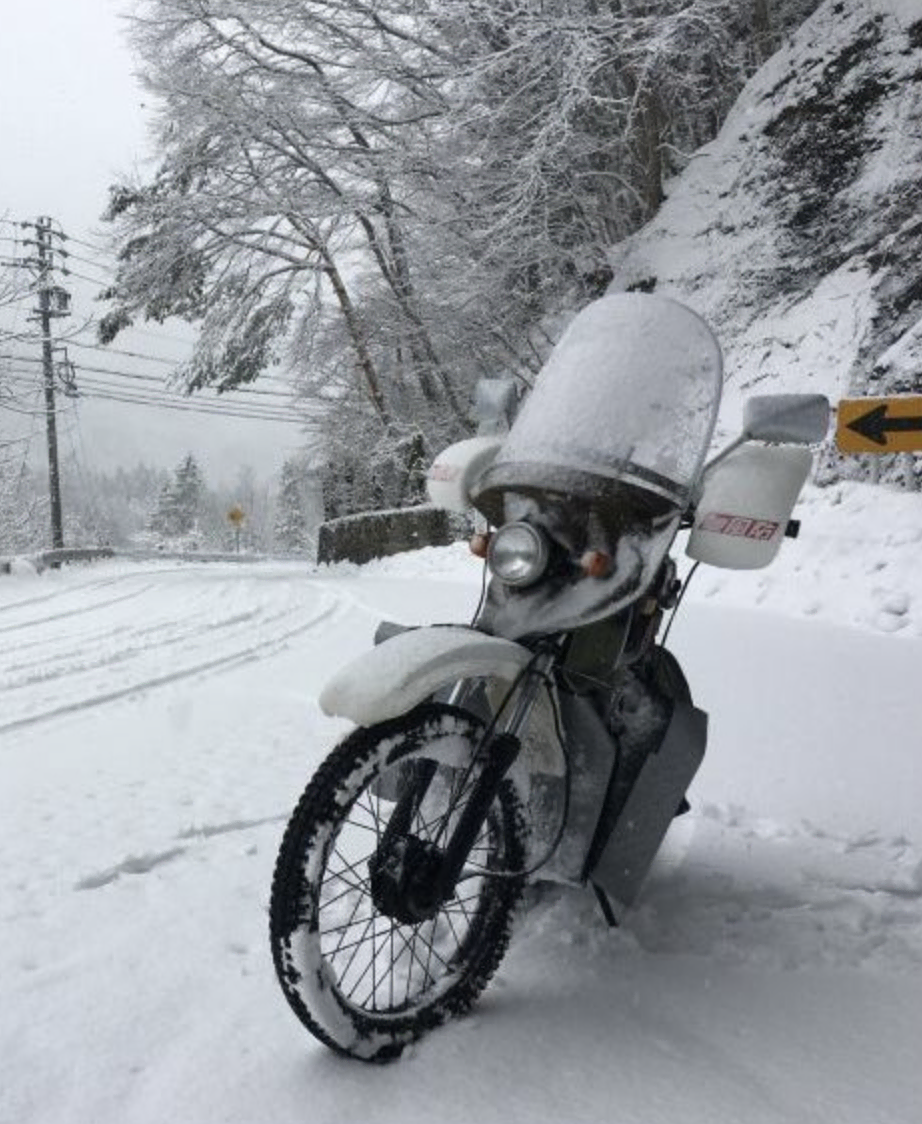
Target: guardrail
[[354, 538], [50, 559]]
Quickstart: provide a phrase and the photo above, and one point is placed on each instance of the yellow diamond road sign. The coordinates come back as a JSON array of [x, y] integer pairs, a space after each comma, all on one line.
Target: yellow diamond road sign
[[880, 425]]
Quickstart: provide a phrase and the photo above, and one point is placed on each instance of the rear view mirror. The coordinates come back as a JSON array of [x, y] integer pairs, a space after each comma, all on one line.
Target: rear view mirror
[[495, 404], [790, 419]]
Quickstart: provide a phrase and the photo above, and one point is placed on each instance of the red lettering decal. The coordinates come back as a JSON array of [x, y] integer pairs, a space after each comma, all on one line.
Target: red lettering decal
[[739, 526], [763, 530], [715, 522]]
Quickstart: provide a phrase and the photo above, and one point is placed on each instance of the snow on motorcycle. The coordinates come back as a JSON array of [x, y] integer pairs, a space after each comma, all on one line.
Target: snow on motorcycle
[[555, 737]]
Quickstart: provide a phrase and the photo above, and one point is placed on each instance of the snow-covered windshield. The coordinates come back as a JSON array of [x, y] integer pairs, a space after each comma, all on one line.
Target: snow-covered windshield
[[630, 393]]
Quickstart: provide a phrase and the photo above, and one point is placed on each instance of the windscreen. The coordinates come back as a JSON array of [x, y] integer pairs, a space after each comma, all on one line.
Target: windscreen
[[630, 393]]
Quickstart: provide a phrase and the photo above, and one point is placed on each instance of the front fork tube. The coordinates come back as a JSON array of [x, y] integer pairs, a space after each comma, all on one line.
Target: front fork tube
[[500, 751]]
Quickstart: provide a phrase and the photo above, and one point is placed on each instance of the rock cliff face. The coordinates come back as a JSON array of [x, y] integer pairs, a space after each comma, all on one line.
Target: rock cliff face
[[797, 232]]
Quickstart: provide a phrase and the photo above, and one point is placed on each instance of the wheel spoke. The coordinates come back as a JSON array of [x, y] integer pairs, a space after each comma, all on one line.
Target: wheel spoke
[[369, 967], [383, 973], [342, 928], [388, 950], [338, 876], [351, 865], [350, 889], [348, 925], [355, 946], [451, 925]]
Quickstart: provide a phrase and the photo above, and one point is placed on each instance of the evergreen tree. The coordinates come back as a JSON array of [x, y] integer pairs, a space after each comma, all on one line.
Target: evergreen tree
[[188, 489], [291, 530], [163, 518], [180, 501]]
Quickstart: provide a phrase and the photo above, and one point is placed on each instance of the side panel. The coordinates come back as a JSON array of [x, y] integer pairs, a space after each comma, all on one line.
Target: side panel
[[650, 808], [592, 758], [399, 673]]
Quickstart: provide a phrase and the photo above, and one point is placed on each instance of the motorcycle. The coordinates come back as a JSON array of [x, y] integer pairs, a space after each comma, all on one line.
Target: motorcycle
[[555, 737]]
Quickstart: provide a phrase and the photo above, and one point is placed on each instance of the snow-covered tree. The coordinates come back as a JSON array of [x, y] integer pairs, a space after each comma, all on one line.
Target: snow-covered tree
[[180, 502], [292, 531], [23, 506], [395, 196]]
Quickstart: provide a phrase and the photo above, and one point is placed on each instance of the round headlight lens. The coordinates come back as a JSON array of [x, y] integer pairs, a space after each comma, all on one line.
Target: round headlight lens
[[518, 554]]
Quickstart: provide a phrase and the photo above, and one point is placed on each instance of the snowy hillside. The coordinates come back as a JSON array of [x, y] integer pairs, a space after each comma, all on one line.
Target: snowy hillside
[[797, 233], [157, 722]]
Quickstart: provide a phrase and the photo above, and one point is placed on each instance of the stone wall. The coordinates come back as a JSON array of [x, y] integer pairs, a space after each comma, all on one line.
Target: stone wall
[[377, 534]]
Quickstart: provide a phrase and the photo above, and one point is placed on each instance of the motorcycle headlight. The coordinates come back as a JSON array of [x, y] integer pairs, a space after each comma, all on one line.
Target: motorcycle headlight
[[518, 554]]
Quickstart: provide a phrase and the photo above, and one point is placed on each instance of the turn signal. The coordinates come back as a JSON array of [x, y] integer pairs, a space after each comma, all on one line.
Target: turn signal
[[479, 544], [596, 564]]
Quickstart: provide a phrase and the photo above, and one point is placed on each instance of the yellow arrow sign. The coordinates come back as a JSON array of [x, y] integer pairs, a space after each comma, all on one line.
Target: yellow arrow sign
[[880, 425]]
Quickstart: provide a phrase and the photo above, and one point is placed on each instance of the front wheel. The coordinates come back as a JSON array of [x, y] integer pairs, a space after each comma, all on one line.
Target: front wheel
[[368, 959]]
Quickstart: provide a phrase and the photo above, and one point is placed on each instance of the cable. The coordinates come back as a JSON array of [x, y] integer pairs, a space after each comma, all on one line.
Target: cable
[[99, 389], [92, 508], [82, 242], [163, 392], [106, 350], [156, 335], [483, 593], [687, 582], [68, 340], [80, 368], [38, 412], [83, 277], [219, 412], [96, 264]]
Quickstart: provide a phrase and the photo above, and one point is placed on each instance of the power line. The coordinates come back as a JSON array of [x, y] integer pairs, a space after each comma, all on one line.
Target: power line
[[87, 245], [155, 335], [83, 277], [97, 390], [194, 409], [243, 409], [106, 350], [138, 377], [36, 411], [91, 387], [96, 263]]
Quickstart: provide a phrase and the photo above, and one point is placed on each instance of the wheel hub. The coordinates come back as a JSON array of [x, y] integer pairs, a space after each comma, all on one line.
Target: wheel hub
[[405, 879]]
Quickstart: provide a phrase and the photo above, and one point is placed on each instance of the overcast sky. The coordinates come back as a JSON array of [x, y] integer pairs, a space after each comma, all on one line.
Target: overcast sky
[[72, 119]]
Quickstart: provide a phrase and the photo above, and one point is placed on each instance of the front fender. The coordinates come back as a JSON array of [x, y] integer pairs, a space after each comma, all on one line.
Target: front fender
[[397, 675]]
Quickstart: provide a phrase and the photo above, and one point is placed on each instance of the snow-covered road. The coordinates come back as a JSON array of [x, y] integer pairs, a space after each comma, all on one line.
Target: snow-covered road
[[157, 723]]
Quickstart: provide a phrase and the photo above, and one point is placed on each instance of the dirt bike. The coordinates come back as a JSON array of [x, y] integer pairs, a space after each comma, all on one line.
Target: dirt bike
[[554, 738]]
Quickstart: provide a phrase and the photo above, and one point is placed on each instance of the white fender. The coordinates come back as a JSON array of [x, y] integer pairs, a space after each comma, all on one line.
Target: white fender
[[393, 677]]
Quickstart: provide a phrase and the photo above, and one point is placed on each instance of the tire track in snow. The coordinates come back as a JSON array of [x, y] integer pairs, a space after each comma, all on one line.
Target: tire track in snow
[[84, 587], [144, 864], [220, 663], [95, 607], [193, 631]]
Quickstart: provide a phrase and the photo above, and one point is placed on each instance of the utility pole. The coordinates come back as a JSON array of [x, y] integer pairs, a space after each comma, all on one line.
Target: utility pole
[[53, 301]]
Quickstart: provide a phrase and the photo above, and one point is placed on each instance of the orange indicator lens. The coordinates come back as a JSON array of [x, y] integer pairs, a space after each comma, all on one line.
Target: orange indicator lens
[[479, 544], [596, 564]]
